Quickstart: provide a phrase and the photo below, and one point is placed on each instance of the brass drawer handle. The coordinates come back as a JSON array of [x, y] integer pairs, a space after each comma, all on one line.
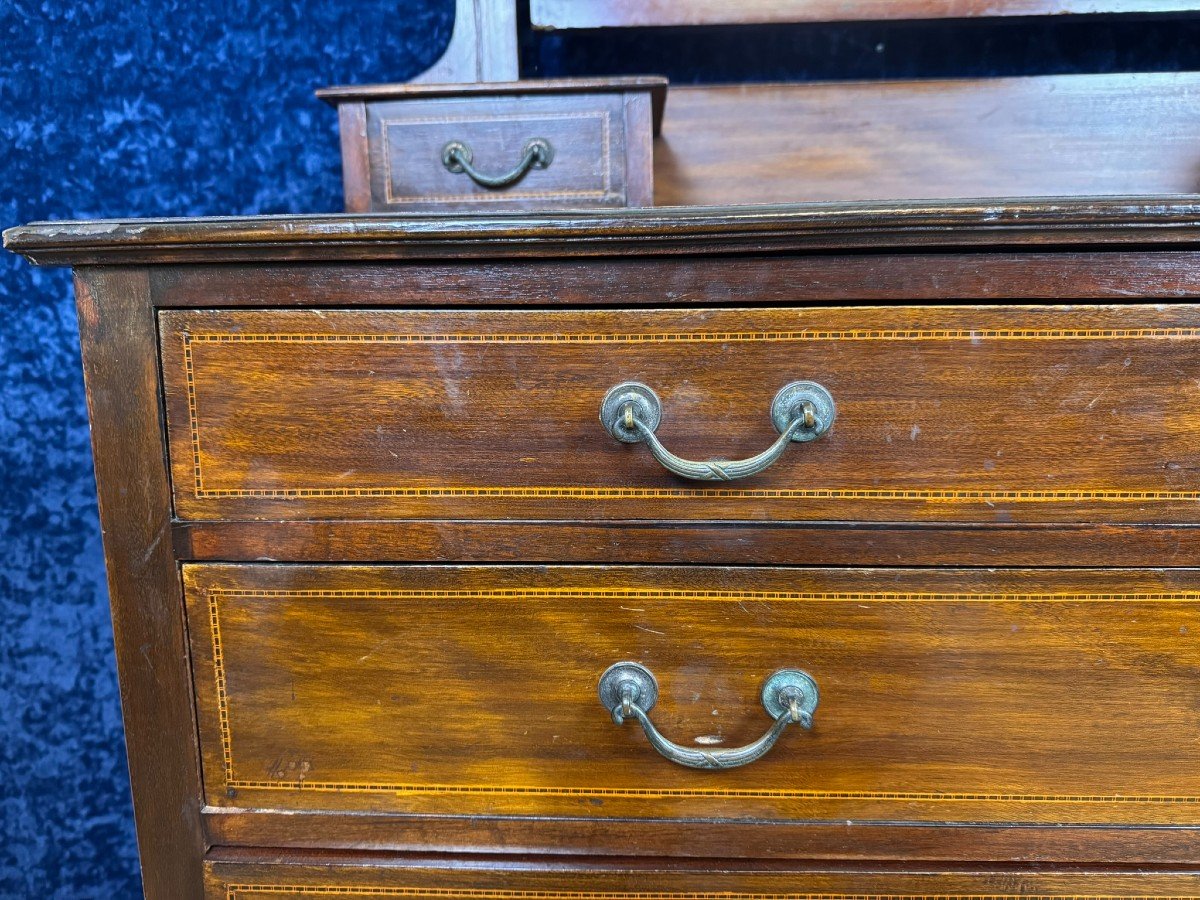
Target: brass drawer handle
[[457, 157], [630, 689], [802, 411]]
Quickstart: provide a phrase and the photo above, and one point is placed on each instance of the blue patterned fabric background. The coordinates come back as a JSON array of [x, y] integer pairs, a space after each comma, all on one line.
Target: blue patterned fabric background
[[163, 107], [128, 108]]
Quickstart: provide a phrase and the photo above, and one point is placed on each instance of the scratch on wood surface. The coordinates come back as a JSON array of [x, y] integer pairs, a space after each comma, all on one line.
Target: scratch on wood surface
[[644, 628]]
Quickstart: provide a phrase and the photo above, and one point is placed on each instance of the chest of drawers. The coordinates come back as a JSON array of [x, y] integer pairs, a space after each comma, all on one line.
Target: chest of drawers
[[411, 599]]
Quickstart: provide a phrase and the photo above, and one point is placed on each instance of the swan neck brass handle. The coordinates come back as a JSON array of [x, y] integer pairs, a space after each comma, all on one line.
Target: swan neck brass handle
[[457, 157], [630, 690], [802, 411]]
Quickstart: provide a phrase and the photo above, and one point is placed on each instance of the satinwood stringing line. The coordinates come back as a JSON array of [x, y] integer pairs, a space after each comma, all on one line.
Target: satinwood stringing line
[[214, 593], [572, 492]]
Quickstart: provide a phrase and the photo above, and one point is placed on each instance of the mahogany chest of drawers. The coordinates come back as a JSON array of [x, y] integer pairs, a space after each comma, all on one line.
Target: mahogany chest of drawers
[[812, 552]]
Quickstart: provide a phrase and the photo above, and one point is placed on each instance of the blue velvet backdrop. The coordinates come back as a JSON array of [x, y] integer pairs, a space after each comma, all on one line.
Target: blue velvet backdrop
[[126, 108], [167, 107]]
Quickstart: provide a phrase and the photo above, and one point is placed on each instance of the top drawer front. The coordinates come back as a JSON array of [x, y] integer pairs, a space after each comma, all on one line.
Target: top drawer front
[[968, 414]]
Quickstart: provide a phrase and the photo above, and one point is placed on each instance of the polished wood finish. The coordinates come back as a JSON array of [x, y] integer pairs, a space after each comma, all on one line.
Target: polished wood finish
[[601, 139], [633, 541], [600, 131], [1115, 223], [744, 280], [985, 414], [901, 843], [235, 877], [996, 137], [356, 160], [1050, 135], [560, 14], [953, 756], [655, 86], [946, 695], [116, 325]]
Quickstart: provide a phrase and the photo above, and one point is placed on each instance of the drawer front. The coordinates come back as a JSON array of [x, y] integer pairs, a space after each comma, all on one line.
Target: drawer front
[[682, 881], [945, 695], [992, 415], [586, 135]]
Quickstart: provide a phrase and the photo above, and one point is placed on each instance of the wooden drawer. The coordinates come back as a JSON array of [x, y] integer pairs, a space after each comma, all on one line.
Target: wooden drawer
[[594, 145], [353, 879], [945, 695], [971, 414]]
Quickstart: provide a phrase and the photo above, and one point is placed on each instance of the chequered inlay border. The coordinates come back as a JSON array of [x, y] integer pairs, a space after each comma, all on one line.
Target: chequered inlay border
[[594, 493], [576, 593]]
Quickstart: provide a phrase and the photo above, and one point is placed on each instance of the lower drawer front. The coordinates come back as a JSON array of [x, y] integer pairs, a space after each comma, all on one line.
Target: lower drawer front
[[686, 881], [945, 695]]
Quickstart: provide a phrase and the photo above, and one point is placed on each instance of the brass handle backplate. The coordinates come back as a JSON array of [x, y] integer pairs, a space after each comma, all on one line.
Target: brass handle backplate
[[802, 411], [457, 157], [629, 689]]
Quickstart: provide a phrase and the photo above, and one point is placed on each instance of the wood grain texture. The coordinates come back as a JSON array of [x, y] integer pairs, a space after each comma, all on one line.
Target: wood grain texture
[[1001, 414], [393, 136], [405, 139], [996, 137], [736, 842], [731, 543], [1011, 715], [237, 877], [356, 163], [117, 326], [947, 696], [654, 85], [731, 280], [1115, 222], [561, 14]]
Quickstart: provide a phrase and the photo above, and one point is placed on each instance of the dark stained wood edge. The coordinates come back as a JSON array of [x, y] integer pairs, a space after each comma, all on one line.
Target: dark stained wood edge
[[522, 862], [356, 165], [652, 231], [121, 374], [636, 85], [738, 280], [829, 842], [406, 90], [692, 543]]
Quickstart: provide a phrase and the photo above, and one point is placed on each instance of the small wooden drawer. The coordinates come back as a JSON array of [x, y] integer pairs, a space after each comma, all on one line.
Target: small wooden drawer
[[446, 148], [350, 878], [985, 414], [944, 695]]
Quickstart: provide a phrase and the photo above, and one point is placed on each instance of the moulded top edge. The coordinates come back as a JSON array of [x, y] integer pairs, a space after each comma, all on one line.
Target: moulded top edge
[[1074, 221]]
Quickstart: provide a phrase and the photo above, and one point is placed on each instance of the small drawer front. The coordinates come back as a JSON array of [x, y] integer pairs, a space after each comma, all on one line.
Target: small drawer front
[[991, 415], [354, 880], [944, 695], [581, 160]]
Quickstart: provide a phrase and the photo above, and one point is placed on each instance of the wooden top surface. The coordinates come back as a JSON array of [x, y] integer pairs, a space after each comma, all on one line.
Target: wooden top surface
[[560, 14], [682, 230]]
